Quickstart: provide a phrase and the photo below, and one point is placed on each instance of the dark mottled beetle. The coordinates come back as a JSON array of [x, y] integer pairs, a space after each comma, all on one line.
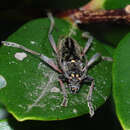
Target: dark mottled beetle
[[70, 63]]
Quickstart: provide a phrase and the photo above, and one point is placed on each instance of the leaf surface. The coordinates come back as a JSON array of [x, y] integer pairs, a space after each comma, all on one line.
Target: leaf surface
[[121, 82], [29, 93]]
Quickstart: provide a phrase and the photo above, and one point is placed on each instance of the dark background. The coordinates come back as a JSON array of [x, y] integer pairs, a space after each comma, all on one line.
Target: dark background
[[13, 14]]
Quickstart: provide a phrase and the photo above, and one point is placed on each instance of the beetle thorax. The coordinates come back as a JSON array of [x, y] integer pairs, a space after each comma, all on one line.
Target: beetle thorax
[[74, 72]]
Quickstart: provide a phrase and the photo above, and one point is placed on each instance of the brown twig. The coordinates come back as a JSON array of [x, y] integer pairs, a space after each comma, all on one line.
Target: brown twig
[[83, 15]]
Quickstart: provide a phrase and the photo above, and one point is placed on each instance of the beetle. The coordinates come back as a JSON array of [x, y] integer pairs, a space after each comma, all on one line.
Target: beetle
[[71, 64]]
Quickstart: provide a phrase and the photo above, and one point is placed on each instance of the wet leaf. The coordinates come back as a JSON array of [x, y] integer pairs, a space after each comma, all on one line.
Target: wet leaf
[[121, 82], [29, 94]]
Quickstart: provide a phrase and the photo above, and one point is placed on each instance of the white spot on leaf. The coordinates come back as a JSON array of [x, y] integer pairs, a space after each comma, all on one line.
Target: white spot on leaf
[[74, 111], [20, 55], [55, 90], [104, 82], [3, 82], [32, 42]]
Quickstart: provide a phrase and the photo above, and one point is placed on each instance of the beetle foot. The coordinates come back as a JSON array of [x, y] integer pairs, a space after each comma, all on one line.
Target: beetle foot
[[91, 108], [64, 102]]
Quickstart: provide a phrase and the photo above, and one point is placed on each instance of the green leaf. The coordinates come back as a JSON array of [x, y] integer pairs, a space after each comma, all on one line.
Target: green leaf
[[121, 82], [29, 94], [115, 4]]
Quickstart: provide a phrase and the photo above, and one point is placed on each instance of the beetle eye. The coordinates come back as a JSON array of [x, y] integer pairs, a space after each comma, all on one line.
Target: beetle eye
[[73, 75], [77, 75]]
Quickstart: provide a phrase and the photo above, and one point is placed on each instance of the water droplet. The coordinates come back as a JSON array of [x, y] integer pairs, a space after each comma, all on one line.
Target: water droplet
[[55, 90], [74, 111], [32, 42]]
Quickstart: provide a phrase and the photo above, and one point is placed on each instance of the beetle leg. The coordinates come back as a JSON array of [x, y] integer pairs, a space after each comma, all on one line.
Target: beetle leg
[[90, 62], [51, 39], [88, 43], [96, 57], [93, 59], [89, 96], [41, 56], [65, 100], [89, 99], [105, 58], [88, 79]]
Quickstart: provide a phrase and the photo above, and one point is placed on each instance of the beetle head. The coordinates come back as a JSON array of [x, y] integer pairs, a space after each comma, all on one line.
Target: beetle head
[[74, 82], [74, 88]]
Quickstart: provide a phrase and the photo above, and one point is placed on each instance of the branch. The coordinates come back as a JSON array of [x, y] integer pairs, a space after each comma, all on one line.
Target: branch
[[83, 15]]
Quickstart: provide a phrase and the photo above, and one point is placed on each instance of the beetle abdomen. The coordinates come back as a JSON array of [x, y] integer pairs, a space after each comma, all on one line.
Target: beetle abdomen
[[69, 50]]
